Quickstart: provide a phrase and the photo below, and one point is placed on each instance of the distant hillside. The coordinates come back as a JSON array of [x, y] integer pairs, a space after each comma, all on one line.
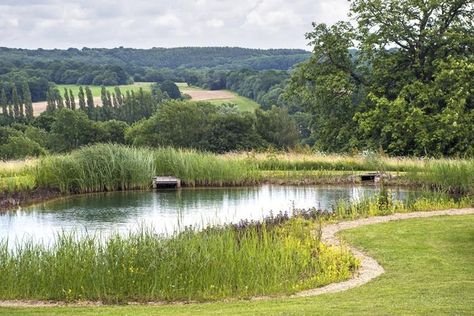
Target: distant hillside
[[187, 57]]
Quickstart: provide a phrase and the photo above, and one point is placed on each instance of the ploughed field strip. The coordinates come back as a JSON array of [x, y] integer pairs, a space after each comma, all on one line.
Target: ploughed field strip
[[204, 95], [369, 267]]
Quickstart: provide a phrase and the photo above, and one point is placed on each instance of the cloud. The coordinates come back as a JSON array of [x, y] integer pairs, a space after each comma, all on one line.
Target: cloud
[[144, 23], [215, 23]]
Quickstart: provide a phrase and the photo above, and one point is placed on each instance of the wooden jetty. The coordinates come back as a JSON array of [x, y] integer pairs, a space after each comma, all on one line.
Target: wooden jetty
[[166, 182], [371, 176]]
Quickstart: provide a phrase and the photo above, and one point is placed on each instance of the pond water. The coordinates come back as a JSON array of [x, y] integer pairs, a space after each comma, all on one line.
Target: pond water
[[170, 210]]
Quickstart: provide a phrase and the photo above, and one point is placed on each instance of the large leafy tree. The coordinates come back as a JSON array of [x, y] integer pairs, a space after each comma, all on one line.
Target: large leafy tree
[[406, 88]]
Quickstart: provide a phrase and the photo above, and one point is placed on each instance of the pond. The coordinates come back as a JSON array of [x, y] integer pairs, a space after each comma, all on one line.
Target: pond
[[169, 210]]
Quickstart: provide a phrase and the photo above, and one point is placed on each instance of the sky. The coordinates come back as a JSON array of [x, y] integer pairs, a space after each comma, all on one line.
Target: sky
[[160, 23]]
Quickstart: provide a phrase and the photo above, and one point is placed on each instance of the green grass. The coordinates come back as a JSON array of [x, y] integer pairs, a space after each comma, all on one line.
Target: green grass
[[243, 104], [428, 265], [220, 262], [96, 89]]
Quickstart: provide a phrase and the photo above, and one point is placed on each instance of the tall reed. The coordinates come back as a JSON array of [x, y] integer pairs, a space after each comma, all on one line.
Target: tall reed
[[456, 176], [97, 168], [198, 168]]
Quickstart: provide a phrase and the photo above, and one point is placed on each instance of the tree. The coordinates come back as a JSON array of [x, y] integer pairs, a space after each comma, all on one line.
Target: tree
[[175, 123], [15, 145], [103, 97], [277, 127], [119, 97], [4, 102], [59, 99], [233, 132], [51, 100], [171, 89], [27, 101], [72, 100], [393, 92], [16, 103], [66, 99], [111, 131], [82, 101], [90, 102], [71, 129]]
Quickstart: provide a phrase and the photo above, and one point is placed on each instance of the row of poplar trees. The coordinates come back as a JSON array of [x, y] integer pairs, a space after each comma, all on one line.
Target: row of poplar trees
[[17, 107], [128, 107]]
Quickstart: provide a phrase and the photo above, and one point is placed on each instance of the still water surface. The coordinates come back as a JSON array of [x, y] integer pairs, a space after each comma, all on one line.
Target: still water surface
[[167, 211]]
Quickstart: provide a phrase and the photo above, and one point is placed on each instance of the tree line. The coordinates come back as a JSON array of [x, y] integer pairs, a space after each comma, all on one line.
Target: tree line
[[176, 123], [18, 105]]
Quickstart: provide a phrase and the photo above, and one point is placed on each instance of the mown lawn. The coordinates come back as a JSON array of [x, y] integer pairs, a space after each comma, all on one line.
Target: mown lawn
[[429, 271]]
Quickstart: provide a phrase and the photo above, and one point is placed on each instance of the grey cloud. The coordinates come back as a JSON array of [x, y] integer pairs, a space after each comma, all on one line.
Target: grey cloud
[[145, 23]]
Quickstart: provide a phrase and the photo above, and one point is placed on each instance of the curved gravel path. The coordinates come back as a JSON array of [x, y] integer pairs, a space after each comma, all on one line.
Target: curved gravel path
[[369, 268]]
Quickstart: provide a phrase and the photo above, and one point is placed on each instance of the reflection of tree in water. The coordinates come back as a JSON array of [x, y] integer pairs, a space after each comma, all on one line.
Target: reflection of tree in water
[[122, 207], [98, 207], [203, 198]]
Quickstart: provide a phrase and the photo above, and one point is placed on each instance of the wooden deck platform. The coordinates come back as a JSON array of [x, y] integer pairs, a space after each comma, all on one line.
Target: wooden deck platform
[[166, 182], [371, 176]]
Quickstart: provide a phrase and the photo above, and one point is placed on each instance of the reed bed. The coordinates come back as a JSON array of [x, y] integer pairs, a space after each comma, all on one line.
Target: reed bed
[[107, 167], [97, 168], [320, 161], [204, 169], [452, 175], [218, 262]]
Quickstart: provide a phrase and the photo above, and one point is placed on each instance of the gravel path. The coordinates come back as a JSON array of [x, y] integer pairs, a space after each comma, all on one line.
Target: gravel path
[[369, 268]]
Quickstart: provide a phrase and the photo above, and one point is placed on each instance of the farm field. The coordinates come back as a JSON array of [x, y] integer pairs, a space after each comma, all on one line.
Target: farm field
[[427, 266], [219, 97]]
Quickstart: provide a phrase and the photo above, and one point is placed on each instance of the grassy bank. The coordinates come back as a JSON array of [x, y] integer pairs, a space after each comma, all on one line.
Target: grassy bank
[[233, 261], [428, 271], [106, 167]]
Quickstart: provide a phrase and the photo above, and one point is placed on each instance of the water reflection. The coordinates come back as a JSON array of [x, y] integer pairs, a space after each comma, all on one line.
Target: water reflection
[[166, 211]]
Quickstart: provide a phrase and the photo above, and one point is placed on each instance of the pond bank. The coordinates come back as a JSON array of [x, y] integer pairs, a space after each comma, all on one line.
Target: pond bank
[[369, 269]]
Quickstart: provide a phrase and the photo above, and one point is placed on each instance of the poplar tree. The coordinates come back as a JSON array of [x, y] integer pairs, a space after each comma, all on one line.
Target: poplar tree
[[82, 100], [66, 99], [72, 100], [16, 103], [119, 97], [109, 99], [103, 96], [115, 101], [90, 102], [4, 102], [50, 100], [27, 101], [59, 99]]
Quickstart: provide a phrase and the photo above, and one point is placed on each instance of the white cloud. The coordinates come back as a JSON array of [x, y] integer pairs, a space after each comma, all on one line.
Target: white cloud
[[144, 23], [168, 20], [215, 23]]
